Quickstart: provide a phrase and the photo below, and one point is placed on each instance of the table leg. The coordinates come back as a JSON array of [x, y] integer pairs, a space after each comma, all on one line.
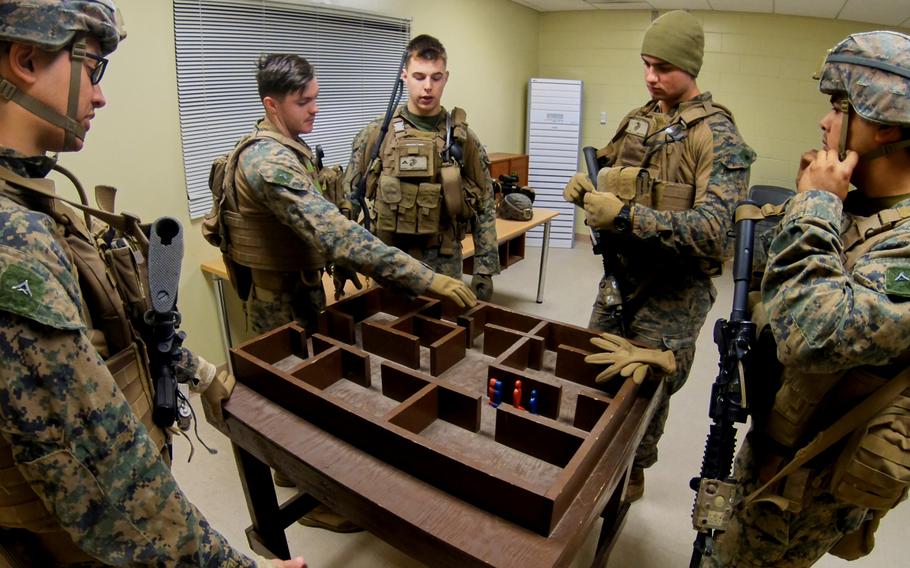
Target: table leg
[[256, 478], [223, 319], [614, 517], [544, 253]]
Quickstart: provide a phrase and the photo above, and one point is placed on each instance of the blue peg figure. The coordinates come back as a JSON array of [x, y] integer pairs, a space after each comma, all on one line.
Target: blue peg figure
[[497, 394], [532, 402]]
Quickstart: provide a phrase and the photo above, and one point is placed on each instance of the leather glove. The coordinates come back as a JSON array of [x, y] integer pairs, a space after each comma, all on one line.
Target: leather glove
[[205, 373], [623, 358], [482, 286], [601, 208], [219, 391], [443, 286], [340, 276], [577, 188]]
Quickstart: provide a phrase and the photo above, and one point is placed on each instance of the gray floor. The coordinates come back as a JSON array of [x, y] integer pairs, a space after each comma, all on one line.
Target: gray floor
[[658, 530]]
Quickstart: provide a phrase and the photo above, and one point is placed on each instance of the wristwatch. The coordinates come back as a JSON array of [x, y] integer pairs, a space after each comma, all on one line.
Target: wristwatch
[[623, 221]]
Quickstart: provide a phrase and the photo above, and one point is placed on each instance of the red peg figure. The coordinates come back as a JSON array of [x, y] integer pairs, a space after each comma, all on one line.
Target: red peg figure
[[490, 391], [516, 396]]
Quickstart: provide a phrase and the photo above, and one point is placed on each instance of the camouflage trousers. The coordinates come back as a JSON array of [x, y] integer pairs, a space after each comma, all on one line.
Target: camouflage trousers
[[267, 309], [662, 322], [763, 535]]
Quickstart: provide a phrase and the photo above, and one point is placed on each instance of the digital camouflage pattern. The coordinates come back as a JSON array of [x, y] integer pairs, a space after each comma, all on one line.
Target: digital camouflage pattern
[[483, 226], [73, 434], [280, 182], [52, 24], [875, 94], [825, 317], [763, 535], [664, 257]]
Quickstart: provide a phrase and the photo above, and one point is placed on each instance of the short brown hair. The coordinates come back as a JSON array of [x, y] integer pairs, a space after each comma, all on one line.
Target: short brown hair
[[426, 47], [279, 74]]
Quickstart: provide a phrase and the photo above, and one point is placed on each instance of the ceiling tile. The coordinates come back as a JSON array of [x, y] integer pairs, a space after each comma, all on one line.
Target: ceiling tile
[[680, 4], [811, 8], [886, 12], [620, 5], [761, 6], [555, 5]]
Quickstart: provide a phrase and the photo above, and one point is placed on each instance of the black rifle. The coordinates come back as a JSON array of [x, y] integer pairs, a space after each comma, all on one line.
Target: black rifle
[[164, 342], [735, 339], [509, 184], [320, 154], [397, 90], [599, 239]]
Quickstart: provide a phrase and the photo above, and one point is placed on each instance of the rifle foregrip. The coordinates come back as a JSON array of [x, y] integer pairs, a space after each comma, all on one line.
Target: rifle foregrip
[[165, 411]]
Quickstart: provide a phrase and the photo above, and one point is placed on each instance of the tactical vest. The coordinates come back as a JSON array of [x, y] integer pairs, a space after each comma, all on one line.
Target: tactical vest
[[646, 156], [112, 280], [257, 248], [872, 469], [421, 199]]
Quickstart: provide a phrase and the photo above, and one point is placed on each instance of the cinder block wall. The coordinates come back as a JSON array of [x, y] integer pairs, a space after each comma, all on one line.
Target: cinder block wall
[[759, 66]]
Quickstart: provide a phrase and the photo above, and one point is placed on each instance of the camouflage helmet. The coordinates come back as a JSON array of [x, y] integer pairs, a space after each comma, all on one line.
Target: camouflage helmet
[[53, 24], [872, 70], [516, 206]]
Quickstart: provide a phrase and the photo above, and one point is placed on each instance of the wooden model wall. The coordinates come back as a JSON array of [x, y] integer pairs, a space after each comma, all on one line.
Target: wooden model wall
[[408, 381]]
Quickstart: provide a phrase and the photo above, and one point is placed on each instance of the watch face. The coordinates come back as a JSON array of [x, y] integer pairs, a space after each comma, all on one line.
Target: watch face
[[622, 223]]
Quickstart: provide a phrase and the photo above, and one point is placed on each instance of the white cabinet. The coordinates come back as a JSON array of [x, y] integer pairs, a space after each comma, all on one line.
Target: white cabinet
[[554, 134]]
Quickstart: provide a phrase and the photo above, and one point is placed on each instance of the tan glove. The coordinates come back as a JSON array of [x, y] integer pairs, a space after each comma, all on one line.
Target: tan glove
[[205, 373], [219, 391], [443, 286], [576, 189], [623, 358], [601, 207]]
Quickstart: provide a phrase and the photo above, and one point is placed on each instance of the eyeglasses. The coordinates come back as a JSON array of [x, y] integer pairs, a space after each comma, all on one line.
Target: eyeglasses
[[97, 72]]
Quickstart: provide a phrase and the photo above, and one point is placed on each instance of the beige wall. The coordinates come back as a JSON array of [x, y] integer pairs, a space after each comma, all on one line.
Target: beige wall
[[134, 143], [760, 66], [757, 65]]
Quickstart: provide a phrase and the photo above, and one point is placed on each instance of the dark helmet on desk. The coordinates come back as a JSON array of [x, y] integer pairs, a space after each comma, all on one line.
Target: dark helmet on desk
[[54, 25], [516, 206], [871, 70]]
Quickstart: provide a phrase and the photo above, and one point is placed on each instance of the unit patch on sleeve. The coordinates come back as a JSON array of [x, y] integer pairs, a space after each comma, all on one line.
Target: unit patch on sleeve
[[897, 281]]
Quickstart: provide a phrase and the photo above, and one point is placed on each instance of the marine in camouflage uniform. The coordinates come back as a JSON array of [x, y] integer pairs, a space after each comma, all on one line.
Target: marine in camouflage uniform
[[85, 480], [275, 181], [426, 76], [667, 254], [834, 304]]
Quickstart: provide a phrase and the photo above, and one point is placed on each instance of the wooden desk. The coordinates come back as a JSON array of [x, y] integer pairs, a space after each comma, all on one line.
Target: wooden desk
[[510, 235], [413, 515]]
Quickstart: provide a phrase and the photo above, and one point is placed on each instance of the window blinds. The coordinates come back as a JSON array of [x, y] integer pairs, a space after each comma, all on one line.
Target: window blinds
[[218, 42]]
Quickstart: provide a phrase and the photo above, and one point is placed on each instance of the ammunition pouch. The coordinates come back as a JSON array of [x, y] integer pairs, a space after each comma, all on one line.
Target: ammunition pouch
[[860, 542], [331, 181], [873, 469], [641, 185], [407, 208]]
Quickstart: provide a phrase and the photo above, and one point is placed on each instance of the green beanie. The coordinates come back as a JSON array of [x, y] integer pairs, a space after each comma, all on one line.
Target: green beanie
[[677, 38]]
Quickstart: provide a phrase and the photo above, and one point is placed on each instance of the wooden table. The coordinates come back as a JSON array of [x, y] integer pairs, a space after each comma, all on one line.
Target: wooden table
[[510, 235], [414, 516]]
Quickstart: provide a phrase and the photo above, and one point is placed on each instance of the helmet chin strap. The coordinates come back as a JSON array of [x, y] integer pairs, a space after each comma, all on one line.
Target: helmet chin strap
[[846, 110], [71, 127]]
